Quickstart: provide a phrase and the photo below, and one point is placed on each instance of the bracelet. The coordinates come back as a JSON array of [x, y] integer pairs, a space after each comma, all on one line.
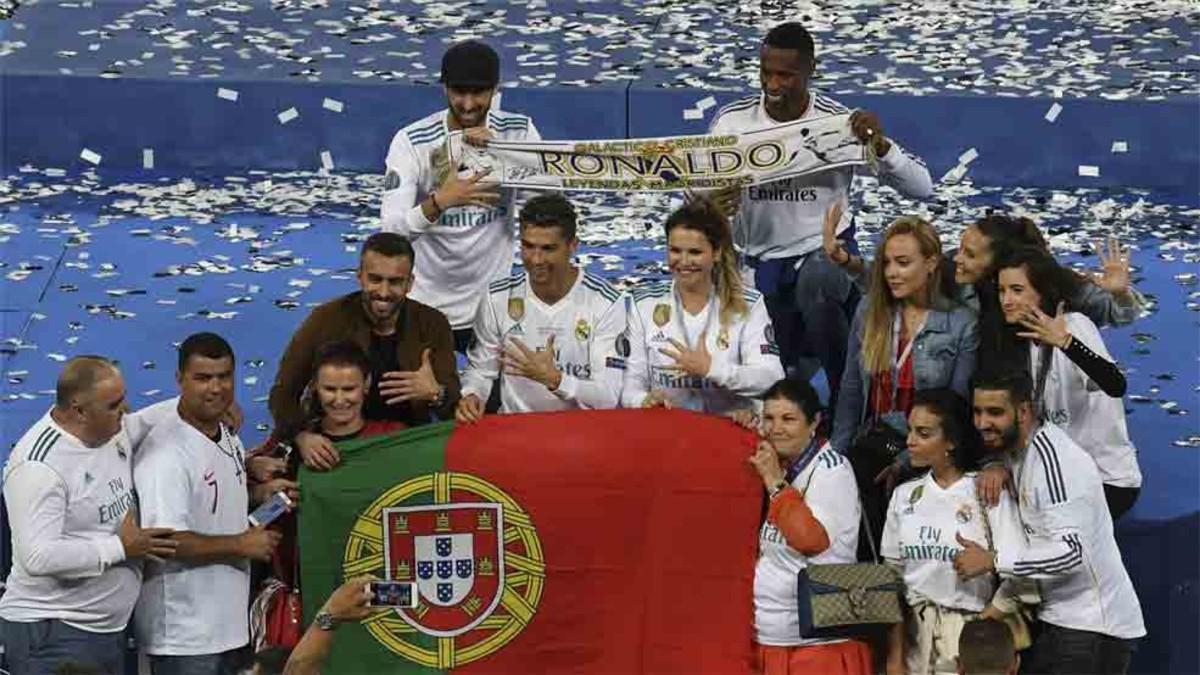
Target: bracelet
[[434, 201], [778, 488]]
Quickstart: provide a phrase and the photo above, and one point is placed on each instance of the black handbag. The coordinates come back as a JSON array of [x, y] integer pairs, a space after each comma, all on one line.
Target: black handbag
[[876, 447]]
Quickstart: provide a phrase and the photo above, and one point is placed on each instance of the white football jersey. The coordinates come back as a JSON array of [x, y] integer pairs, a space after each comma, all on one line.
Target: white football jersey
[[784, 218], [588, 325], [65, 503], [830, 491], [186, 481], [1092, 418], [1071, 550], [469, 246], [745, 358], [919, 537]]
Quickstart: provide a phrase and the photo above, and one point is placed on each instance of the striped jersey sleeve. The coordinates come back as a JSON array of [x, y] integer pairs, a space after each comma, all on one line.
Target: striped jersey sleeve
[[1057, 507]]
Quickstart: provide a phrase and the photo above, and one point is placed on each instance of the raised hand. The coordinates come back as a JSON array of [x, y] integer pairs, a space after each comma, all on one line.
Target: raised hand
[[351, 601], [695, 362], [455, 191], [477, 136], [536, 364], [1114, 276], [835, 249], [1051, 330], [410, 385], [867, 128], [766, 462]]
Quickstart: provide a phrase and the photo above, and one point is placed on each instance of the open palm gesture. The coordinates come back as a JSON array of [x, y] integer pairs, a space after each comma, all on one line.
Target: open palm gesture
[[695, 362], [1051, 330], [1114, 276]]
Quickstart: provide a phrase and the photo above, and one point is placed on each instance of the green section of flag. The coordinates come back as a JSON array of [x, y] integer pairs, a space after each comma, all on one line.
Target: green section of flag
[[331, 505]]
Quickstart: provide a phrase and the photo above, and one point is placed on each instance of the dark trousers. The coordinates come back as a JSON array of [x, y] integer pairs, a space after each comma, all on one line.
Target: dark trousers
[[48, 647], [1066, 651], [1120, 500], [811, 309], [223, 663]]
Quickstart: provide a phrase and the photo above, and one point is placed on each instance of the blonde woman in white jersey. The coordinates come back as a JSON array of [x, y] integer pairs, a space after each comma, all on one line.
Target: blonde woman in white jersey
[[925, 520], [701, 341]]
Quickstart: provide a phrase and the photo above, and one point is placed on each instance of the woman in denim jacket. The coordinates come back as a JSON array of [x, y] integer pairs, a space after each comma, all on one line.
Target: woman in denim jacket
[[1107, 297], [908, 335]]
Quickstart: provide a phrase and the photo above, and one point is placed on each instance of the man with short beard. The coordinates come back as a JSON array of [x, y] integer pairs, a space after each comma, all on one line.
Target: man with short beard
[[461, 226], [552, 334], [413, 375], [1089, 607]]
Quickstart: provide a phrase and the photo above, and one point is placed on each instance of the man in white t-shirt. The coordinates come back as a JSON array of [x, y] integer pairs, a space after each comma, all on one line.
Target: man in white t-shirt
[[552, 334], [461, 226], [1089, 609], [68, 487], [190, 474], [778, 225]]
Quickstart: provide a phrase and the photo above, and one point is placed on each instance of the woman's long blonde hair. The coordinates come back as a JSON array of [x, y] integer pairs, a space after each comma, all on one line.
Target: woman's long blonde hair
[[704, 216], [881, 306]]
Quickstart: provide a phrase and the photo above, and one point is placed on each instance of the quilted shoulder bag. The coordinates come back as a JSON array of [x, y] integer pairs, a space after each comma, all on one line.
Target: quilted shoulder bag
[[840, 599]]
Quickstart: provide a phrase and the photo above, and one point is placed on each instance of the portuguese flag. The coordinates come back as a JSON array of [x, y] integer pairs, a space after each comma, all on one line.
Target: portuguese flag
[[618, 541]]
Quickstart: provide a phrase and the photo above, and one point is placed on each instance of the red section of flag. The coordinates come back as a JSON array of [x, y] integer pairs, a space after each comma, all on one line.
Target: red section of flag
[[648, 524]]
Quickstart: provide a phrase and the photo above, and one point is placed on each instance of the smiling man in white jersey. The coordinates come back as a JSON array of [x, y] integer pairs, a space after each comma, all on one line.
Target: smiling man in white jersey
[[1090, 611], [76, 572], [193, 613], [553, 334], [778, 225], [460, 226]]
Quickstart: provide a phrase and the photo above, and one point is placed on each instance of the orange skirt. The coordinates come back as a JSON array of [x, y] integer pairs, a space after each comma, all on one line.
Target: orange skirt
[[852, 657]]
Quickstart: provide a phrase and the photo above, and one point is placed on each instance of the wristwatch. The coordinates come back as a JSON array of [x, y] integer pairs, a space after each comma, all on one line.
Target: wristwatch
[[324, 621], [776, 489], [439, 398]]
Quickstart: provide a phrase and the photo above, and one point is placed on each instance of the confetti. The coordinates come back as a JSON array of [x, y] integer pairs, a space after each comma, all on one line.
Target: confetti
[[1089, 171], [148, 158], [227, 94], [327, 160], [288, 115], [1120, 146], [333, 105], [1053, 112], [89, 156]]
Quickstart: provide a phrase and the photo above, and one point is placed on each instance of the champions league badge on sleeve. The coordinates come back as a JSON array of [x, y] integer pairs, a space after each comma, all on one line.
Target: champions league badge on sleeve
[[474, 556]]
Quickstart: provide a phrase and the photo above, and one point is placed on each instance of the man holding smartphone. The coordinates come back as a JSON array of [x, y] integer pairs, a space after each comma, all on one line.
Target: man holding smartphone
[[192, 616]]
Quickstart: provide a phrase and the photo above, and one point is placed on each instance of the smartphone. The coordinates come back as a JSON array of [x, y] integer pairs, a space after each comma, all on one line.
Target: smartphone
[[393, 594], [271, 509]]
